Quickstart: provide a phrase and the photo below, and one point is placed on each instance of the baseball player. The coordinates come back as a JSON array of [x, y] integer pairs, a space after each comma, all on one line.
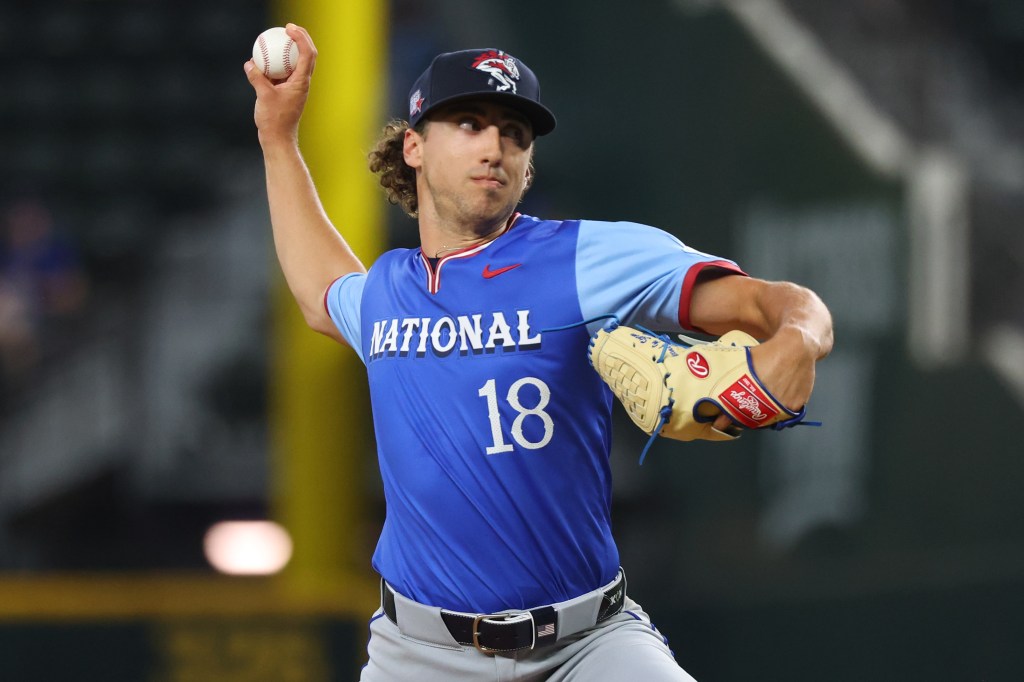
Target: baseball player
[[496, 555]]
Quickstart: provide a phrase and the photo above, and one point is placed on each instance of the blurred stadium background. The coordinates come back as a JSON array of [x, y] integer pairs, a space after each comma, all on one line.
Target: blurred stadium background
[[155, 380]]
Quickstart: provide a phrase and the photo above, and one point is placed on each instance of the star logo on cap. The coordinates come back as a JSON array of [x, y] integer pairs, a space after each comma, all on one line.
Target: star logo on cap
[[416, 103]]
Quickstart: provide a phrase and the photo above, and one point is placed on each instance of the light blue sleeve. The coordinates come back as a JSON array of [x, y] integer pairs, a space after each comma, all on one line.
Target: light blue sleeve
[[640, 273], [343, 301]]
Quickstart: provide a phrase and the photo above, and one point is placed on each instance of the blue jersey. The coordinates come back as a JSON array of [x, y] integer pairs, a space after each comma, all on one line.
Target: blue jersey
[[493, 435]]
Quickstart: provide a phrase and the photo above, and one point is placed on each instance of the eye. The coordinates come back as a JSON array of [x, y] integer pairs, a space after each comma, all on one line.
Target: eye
[[469, 123], [516, 132]]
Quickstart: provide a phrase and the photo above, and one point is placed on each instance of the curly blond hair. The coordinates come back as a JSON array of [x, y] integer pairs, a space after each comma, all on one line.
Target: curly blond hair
[[399, 180], [388, 161]]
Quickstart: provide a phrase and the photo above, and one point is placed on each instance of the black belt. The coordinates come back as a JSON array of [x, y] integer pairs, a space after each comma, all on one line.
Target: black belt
[[505, 632]]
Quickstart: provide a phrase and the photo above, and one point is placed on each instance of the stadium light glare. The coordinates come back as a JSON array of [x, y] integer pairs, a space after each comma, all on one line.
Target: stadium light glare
[[247, 547]]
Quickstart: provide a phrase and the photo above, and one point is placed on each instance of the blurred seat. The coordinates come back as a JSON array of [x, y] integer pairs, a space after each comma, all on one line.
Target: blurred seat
[[38, 156], [112, 161], [64, 30], [41, 95], [144, 28], [107, 93]]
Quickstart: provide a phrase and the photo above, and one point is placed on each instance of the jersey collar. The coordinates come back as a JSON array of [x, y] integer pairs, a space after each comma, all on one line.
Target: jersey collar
[[434, 272]]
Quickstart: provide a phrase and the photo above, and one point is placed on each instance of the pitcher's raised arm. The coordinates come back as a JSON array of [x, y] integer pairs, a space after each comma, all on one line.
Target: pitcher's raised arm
[[311, 251]]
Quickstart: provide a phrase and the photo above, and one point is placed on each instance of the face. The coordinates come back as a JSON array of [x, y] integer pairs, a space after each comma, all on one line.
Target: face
[[473, 161]]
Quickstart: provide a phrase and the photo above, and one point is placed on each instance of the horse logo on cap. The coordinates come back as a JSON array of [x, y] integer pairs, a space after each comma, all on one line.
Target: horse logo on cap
[[501, 67]]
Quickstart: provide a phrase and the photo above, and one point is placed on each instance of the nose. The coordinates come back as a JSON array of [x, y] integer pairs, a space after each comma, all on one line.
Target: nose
[[490, 143]]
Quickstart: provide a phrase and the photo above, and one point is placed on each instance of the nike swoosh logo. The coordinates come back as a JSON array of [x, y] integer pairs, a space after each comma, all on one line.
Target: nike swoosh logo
[[488, 273]]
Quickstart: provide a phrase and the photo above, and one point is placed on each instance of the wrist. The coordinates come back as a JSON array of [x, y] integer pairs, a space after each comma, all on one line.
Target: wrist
[[276, 143]]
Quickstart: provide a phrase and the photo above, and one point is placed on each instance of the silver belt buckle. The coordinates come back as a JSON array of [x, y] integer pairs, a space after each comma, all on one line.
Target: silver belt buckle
[[498, 619]]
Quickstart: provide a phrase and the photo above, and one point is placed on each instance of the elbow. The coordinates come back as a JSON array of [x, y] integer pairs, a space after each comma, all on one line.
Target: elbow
[[824, 317], [316, 317], [785, 305], [828, 338], [316, 323], [819, 322]]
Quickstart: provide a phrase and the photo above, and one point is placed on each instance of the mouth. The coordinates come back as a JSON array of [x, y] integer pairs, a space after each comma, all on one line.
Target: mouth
[[488, 181]]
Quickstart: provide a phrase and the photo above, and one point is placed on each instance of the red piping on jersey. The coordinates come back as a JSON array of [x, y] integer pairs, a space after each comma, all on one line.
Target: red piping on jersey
[[434, 274], [690, 280]]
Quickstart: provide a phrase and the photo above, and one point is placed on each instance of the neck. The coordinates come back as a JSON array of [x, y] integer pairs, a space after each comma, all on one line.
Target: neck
[[439, 237]]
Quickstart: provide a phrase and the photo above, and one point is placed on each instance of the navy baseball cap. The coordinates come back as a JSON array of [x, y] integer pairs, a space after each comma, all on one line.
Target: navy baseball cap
[[480, 74]]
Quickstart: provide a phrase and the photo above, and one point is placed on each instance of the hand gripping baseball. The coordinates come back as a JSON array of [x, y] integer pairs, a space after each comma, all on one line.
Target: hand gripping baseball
[[678, 391], [279, 103]]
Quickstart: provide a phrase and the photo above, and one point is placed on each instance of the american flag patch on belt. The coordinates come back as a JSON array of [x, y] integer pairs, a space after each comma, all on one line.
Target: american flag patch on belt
[[546, 630]]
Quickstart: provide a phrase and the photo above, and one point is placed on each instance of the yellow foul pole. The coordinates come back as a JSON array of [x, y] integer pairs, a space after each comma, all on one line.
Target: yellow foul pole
[[320, 420]]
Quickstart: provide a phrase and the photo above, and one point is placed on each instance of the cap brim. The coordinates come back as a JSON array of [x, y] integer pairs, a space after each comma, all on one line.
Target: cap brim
[[540, 117]]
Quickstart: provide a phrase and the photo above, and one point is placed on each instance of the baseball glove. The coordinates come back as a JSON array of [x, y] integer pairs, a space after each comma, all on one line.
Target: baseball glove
[[678, 390]]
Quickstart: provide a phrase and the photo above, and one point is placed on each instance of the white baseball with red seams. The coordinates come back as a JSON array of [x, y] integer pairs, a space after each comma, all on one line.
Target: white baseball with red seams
[[275, 53]]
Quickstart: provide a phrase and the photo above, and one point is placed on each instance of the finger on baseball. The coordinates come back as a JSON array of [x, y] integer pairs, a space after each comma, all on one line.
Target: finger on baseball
[[259, 82], [307, 51]]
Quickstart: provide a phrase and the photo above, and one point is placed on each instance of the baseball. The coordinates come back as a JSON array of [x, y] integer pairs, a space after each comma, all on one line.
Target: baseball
[[275, 53]]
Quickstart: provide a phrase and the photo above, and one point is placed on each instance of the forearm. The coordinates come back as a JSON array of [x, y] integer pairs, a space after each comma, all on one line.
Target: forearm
[[311, 252], [793, 324], [763, 309]]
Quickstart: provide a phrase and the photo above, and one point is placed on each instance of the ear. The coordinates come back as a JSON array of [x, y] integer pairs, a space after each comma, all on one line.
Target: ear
[[412, 149]]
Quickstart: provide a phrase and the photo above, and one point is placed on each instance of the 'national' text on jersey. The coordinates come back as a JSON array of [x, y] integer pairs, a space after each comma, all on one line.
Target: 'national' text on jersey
[[442, 336]]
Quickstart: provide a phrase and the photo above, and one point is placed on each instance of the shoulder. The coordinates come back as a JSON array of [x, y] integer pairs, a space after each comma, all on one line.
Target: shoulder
[[531, 227], [625, 228], [591, 229], [394, 258], [398, 255], [628, 236]]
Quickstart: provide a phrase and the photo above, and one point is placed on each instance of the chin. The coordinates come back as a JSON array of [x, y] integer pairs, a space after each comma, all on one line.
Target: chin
[[495, 204]]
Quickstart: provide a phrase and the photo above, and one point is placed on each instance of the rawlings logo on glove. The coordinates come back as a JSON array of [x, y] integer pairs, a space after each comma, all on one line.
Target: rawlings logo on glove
[[670, 392]]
